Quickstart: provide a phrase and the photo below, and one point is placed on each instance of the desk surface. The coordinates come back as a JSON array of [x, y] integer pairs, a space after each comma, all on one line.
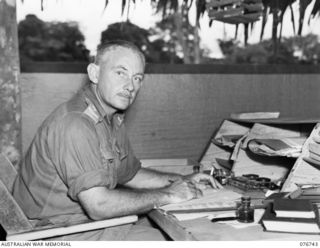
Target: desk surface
[[203, 229]]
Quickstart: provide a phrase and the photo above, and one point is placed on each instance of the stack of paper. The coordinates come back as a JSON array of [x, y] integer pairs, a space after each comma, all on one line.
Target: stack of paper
[[288, 147]]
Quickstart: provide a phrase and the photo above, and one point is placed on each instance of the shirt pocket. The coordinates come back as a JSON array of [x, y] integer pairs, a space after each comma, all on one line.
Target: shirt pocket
[[121, 151], [107, 156], [109, 161]]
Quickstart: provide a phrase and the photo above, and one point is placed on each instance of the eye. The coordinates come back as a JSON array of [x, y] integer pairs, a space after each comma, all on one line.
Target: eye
[[121, 73], [137, 79]]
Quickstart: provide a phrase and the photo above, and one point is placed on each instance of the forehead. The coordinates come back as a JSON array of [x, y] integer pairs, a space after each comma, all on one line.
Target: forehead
[[122, 56]]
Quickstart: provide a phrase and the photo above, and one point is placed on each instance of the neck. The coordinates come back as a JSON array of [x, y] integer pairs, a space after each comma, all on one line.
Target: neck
[[108, 109]]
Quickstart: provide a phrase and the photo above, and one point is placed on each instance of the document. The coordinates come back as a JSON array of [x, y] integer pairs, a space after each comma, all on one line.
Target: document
[[212, 199], [288, 147]]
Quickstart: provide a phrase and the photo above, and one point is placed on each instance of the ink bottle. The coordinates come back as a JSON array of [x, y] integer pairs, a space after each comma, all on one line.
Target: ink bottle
[[245, 211]]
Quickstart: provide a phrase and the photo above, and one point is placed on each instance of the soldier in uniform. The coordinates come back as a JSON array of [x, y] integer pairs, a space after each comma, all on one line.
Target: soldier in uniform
[[80, 165]]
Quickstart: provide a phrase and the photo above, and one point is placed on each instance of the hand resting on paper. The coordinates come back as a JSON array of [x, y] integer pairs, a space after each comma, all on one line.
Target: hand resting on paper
[[201, 180], [190, 187]]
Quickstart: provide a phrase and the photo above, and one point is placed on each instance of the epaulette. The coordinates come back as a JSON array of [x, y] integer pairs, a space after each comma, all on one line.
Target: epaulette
[[92, 112]]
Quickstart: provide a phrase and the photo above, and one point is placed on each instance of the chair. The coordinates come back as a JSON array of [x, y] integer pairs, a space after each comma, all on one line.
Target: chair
[[19, 227]]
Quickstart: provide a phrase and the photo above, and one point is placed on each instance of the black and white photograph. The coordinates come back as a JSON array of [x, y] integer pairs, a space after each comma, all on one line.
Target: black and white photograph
[[138, 122]]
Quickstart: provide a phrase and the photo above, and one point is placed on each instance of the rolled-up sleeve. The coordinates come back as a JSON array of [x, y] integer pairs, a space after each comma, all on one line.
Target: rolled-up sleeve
[[80, 164]]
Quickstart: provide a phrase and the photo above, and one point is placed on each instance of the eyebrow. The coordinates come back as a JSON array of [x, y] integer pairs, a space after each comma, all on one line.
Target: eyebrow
[[124, 68], [121, 67]]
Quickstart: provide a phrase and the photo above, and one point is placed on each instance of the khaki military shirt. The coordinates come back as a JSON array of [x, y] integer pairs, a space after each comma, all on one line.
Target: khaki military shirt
[[76, 148]]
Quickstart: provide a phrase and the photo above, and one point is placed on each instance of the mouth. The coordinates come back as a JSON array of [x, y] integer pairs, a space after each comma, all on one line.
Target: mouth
[[125, 95]]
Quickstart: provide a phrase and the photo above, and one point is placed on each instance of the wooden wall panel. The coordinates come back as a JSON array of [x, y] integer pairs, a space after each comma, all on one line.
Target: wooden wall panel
[[175, 114]]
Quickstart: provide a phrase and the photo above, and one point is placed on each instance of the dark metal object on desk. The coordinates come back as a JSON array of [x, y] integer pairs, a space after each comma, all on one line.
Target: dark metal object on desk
[[273, 186], [252, 182], [223, 176], [251, 176], [264, 181]]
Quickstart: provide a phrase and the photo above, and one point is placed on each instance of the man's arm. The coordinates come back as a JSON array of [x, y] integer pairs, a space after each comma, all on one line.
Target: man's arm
[[151, 179], [101, 203]]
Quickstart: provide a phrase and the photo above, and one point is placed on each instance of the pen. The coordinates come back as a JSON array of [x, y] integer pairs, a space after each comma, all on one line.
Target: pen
[[224, 219]]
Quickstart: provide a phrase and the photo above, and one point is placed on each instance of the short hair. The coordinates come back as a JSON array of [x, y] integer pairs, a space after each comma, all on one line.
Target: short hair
[[111, 45]]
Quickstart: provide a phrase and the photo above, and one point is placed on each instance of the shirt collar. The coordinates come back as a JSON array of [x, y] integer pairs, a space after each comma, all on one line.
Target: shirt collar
[[92, 98]]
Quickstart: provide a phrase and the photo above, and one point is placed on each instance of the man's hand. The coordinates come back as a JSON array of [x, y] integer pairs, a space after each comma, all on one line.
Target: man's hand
[[190, 187], [182, 190], [200, 178]]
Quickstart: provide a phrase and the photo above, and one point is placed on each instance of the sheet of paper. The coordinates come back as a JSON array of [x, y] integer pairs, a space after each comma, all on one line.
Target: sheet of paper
[[212, 198], [287, 147]]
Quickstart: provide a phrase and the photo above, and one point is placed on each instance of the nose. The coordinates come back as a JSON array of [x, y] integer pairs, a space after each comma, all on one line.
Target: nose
[[129, 85]]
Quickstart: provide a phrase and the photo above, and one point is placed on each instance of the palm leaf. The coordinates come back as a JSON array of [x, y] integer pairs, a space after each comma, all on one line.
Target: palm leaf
[[161, 6], [246, 33], [272, 4], [303, 5], [106, 4], [123, 5], [190, 4], [236, 32], [210, 22], [292, 20], [284, 4], [316, 9], [174, 5], [200, 8], [283, 8], [278, 9], [265, 14], [281, 25]]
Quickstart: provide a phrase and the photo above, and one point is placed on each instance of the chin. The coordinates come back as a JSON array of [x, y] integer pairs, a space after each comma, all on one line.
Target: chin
[[122, 107]]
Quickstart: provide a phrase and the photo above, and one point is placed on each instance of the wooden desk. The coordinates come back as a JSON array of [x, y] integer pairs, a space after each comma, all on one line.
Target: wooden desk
[[203, 229]]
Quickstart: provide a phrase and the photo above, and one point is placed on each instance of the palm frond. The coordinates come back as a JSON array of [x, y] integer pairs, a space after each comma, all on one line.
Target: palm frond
[[174, 5], [292, 20], [303, 6], [246, 33], [123, 5], [316, 9], [190, 4], [106, 2], [161, 6], [200, 9], [265, 14], [236, 32]]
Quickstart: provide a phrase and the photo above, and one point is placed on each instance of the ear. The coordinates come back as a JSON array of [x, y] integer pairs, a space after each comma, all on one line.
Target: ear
[[93, 72]]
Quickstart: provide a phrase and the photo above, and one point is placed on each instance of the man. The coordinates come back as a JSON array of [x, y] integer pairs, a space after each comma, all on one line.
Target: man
[[80, 164]]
